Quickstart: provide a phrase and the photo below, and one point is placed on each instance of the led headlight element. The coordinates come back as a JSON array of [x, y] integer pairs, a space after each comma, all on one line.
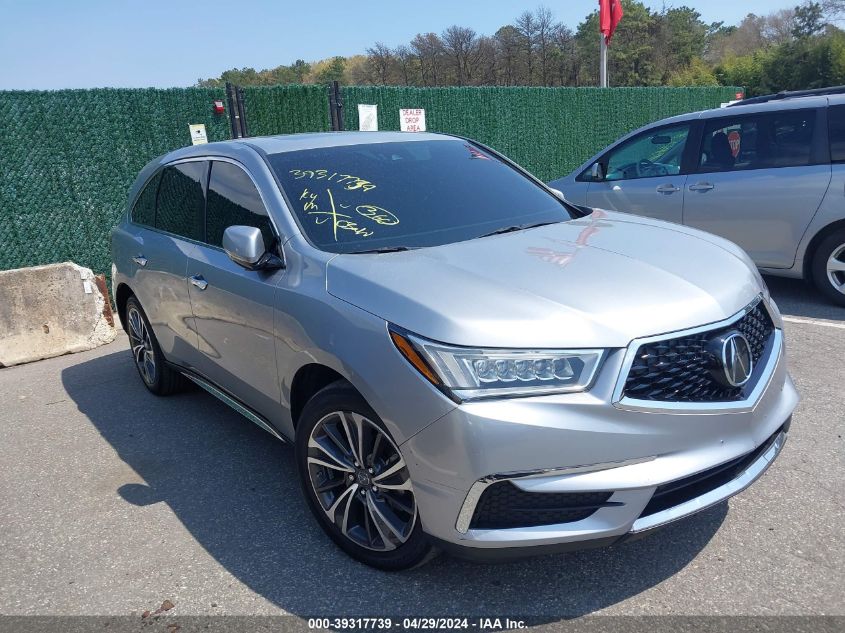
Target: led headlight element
[[485, 373]]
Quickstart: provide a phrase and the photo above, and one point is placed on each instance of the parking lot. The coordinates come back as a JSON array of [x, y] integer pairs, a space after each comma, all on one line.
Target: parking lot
[[112, 500]]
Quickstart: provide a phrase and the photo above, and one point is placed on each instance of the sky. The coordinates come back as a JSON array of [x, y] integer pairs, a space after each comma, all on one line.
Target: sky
[[52, 44]]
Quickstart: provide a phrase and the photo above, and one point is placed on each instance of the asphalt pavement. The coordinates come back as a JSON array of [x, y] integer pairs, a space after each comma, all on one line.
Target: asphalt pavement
[[113, 500]]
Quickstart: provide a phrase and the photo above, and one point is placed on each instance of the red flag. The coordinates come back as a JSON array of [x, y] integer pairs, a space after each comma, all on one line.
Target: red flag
[[610, 13]]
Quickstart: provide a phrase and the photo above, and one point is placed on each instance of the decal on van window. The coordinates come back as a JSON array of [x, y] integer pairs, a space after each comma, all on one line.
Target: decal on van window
[[734, 140]]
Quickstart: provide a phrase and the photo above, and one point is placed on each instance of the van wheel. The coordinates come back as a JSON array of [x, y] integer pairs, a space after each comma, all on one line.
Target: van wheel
[[829, 267], [356, 481], [156, 375]]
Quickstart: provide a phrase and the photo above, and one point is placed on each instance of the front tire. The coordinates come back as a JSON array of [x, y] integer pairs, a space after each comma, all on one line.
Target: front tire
[[356, 481], [829, 267], [156, 375]]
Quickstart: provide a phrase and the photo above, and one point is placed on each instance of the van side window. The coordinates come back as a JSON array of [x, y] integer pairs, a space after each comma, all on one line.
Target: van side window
[[234, 200], [650, 155], [758, 141], [181, 200], [836, 132], [144, 211]]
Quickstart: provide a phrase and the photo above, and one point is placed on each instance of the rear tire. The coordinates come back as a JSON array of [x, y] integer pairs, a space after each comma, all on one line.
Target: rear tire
[[155, 373], [828, 267], [356, 482]]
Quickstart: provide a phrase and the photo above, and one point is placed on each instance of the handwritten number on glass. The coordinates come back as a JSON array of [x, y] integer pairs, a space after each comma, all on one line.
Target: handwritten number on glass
[[349, 182]]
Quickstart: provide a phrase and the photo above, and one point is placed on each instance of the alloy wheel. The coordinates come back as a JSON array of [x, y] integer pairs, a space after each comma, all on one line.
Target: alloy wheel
[[836, 268], [361, 481], [142, 346]]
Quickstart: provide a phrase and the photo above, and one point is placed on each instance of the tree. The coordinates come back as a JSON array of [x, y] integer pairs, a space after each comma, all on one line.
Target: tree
[[546, 28], [429, 50], [809, 20], [686, 35], [487, 70], [461, 46], [566, 57], [527, 27], [696, 73], [407, 65], [357, 71], [508, 45], [381, 62], [833, 9], [752, 34], [300, 70], [330, 70]]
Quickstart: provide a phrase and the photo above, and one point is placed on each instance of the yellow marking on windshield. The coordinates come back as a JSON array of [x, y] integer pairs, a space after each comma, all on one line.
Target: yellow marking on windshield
[[334, 213], [343, 221], [377, 214], [349, 182]]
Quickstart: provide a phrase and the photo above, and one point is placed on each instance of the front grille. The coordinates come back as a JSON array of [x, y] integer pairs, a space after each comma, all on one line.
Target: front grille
[[677, 492], [679, 369], [503, 505]]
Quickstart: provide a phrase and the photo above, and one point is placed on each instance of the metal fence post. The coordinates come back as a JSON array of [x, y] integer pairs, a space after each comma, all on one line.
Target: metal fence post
[[234, 116], [241, 102], [336, 107]]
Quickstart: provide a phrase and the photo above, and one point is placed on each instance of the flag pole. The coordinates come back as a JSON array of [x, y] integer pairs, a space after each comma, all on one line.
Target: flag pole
[[602, 61]]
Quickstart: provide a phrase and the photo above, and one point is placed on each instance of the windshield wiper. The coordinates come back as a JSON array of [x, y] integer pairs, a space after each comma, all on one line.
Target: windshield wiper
[[517, 227], [386, 249]]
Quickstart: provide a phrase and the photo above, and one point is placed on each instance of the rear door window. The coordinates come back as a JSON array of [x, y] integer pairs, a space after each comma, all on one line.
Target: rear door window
[[144, 211], [181, 200], [758, 141], [234, 200]]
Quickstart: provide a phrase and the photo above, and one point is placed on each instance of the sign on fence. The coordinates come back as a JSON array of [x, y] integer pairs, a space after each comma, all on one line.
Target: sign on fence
[[412, 119], [367, 117], [198, 135]]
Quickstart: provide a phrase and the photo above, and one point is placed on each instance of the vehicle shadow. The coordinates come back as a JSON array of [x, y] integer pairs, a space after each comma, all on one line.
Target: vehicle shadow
[[796, 297], [236, 491]]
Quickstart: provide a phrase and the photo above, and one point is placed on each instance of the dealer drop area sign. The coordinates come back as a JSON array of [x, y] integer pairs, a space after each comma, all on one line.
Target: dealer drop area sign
[[412, 120]]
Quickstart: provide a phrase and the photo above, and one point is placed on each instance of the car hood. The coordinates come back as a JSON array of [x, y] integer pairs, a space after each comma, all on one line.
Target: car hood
[[597, 281]]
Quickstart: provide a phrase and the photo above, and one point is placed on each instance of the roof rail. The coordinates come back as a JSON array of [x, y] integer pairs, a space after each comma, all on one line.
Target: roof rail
[[791, 94]]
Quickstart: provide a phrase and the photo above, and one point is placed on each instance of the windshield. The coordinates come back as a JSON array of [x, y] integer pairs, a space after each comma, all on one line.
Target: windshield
[[407, 194]]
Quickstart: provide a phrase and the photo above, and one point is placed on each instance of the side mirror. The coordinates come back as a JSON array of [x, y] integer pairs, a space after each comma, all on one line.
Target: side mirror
[[245, 246], [558, 193], [597, 171]]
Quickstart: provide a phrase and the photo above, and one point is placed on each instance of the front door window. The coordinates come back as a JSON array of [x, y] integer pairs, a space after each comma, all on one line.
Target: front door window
[[650, 155]]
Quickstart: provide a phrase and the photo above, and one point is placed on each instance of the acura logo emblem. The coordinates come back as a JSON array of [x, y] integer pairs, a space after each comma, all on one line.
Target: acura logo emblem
[[737, 362]]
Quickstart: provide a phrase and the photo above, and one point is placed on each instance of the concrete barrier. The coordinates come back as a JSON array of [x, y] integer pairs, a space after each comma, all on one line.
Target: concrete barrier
[[48, 311]]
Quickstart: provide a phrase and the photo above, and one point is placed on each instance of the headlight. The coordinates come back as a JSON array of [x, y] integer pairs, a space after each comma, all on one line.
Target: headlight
[[471, 373]]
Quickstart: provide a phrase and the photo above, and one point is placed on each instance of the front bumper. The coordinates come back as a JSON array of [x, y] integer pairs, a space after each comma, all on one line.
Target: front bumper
[[577, 443]]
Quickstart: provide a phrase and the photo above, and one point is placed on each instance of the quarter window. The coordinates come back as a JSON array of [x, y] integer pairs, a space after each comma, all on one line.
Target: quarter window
[[653, 154], [836, 127], [144, 211], [763, 141], [234, 200], [181, 200]]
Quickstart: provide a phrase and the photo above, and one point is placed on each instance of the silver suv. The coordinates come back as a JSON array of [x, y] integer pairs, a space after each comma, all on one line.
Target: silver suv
[[767, 173], [462, 360]]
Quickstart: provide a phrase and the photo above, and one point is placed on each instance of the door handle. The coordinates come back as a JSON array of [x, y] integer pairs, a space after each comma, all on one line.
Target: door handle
[[198, 281], [668, 188], [702, 186], [140, 260]]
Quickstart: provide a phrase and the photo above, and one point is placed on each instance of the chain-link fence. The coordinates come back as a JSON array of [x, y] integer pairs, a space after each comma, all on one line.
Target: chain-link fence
[[68, 158]]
